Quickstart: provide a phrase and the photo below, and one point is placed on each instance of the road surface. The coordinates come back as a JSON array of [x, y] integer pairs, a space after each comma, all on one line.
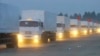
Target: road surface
[[85, 46]]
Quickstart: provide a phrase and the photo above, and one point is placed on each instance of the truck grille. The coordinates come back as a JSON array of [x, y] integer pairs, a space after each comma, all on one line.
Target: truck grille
[[28, 41], [28, 32]]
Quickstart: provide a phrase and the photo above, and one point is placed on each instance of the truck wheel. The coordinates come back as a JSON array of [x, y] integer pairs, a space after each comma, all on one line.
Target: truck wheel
[[9, 45], [48, 35], [13, 41], [44, 40], [52, 36], [52, 39]]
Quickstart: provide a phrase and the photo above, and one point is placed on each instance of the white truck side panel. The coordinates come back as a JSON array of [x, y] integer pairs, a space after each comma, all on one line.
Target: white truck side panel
[[67, 23], [9, 18], [50, 22]]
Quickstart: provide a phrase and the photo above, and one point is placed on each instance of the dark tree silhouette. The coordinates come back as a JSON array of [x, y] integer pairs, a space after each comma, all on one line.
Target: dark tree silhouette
[[60, 14], [66, 15]]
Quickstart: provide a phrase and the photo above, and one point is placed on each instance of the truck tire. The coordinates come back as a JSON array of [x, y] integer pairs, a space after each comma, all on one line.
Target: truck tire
[[13, 41], [9, 45], [44, 38], [9, 39], [48, 35], [52, 37]]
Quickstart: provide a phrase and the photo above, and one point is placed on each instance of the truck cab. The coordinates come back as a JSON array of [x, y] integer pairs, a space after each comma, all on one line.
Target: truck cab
[[36, 26], [74, 28], [84, 28], [29, 31], [96, 28], [60, 27], [91, 28]]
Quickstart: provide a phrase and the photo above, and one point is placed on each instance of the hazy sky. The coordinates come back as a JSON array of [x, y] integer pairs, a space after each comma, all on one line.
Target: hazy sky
[[56, 6]]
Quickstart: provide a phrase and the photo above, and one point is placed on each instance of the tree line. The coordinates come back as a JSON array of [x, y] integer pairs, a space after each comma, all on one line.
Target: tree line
[[87, 15]]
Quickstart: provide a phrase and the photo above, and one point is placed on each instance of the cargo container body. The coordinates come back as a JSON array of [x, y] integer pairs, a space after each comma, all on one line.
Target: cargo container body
[[9, 24]]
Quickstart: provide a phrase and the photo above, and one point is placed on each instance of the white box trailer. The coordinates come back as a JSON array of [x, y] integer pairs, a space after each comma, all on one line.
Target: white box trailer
[[9, 23], [36, 26]]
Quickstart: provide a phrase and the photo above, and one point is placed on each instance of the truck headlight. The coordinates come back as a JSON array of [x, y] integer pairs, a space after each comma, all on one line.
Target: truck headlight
[[20, 38], [85, 32], [74, 33], [59, 36], [36, 38], [98, 30], [90, 31]]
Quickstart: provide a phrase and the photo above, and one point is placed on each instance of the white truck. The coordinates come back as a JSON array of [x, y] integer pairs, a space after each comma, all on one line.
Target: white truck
[[91, 27], [60, 27], [37, 26], [84, 27], [74, 28], [63, 26], [96, 27], [9, 24]]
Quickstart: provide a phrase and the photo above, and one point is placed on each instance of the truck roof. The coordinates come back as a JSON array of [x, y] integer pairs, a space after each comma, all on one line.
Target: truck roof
[[73, 22], [84, 23], [61, 19]]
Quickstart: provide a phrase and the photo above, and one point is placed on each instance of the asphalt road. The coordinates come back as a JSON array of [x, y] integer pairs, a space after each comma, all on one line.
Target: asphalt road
[[85, 46]]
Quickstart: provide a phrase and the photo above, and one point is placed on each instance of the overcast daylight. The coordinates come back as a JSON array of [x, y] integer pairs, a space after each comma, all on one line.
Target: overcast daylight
[[49, 27], [66, 6]]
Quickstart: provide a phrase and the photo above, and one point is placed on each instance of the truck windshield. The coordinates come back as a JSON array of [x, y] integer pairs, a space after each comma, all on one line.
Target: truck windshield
[[73, 25], [84, 26], [31, 24], [60, 25]]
